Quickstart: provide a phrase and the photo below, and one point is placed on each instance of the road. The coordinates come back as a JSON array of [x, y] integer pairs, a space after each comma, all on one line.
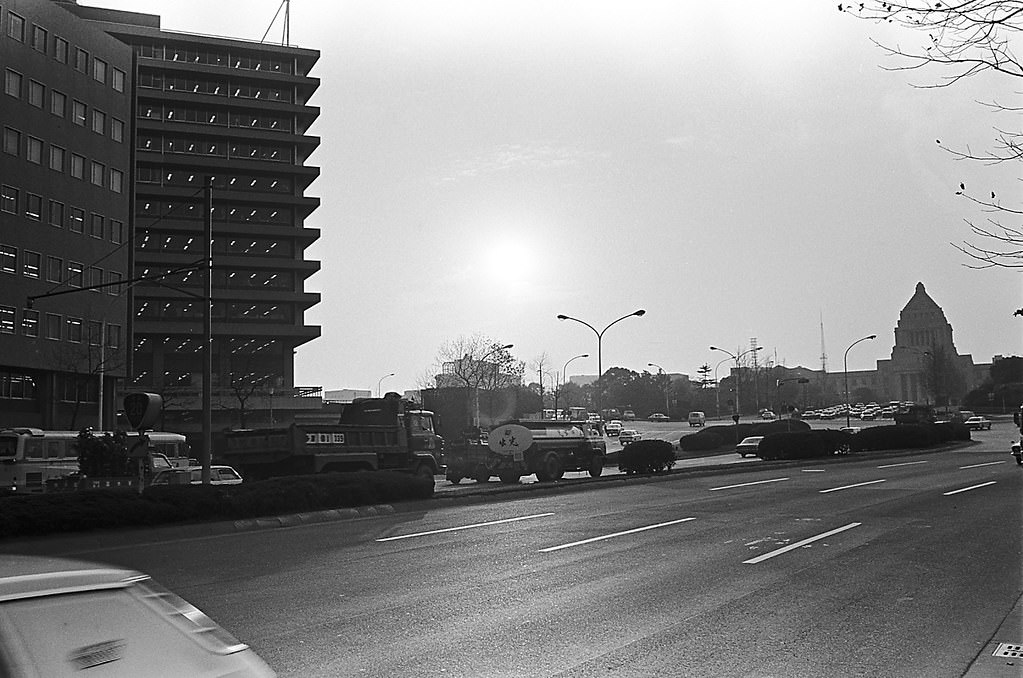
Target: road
[[871, 567]]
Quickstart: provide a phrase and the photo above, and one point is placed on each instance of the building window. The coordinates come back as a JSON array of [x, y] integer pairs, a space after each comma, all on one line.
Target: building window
[[116, 129], [116, 180], [16, 26], [39, 38], [8, 259], [113, 277], [34, 207], [93, 279], [60, 49], [96, 226], [8, 199], [99, 170], [30, 323], [77, 166], [53, 326], [36, 93], [12, 141], [99, 70], [12, 83], [117, 79], [74, 330], [56, 214], [78, 112], [57, 158], [35, 151], [81, 60], [6, 320], [58, 103], [54, 269], [116, 231], [99, 122], [74, 273], [76, 220], [31, 263], [114, 336]]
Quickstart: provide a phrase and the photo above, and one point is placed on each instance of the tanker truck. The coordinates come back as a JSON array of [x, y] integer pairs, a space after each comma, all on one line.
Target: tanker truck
[[524, 447]]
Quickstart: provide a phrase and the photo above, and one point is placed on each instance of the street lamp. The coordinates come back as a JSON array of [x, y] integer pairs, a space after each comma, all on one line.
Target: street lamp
[[738, 373], [564, 377], [665, 386], [845, 372], [381, 380], [476, 387], [717, 388], [600, 335]]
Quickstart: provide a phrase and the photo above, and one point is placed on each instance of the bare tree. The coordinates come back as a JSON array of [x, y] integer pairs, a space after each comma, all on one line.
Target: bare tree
[[964, 39], [477, 362], [83, 363]]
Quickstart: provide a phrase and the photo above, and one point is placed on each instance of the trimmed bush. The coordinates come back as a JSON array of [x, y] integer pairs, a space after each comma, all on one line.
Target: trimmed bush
[[646, 456], [953, 430], [778, 426], [38, 514], [726, 436], [803, 444], [706, 440], [896, 437]]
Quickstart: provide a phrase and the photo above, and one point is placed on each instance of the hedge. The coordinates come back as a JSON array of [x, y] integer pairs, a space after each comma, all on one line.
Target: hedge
[[37, 514], [726, 436], [803, 444], [646, 456], [895, 437]]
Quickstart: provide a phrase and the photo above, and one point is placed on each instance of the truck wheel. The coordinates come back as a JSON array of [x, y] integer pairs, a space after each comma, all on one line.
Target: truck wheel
[[509, 478], [454, 479], [482, 474], [551, 468], [596, 465], [425, 472]]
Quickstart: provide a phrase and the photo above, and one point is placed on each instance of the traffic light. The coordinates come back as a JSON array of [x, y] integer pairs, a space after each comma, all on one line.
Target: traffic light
[[142, 409]]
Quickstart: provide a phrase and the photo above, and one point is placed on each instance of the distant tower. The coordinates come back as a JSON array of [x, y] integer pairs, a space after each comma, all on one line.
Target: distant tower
[[824, 361]]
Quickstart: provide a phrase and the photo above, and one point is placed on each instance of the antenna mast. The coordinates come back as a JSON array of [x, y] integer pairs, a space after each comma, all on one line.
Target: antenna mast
[[286, 38]]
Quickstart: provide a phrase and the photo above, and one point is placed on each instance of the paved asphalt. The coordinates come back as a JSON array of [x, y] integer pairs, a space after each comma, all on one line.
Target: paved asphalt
[[900, 565]]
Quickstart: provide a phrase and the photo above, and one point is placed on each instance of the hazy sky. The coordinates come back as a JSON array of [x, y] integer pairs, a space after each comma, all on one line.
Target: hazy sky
[[739, 170]]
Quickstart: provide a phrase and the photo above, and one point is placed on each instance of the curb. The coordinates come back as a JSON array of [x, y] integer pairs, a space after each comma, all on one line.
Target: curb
[[309, 518]]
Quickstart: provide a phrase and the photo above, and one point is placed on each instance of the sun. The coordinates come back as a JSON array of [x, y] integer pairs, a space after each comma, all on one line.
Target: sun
[[510, 261]]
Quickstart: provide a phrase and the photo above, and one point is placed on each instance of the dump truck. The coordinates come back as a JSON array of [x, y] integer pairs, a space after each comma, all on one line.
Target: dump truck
[[372, 434], [524, 447]]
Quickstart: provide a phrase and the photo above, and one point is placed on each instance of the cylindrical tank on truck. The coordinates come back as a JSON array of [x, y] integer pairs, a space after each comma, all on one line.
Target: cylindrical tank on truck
[[525, 447]]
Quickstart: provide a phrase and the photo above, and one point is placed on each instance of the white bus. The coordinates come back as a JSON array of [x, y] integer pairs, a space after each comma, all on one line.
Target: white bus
[[30, 456]]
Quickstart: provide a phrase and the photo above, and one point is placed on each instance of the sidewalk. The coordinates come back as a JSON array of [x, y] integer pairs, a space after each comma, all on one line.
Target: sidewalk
[[1002, 657]]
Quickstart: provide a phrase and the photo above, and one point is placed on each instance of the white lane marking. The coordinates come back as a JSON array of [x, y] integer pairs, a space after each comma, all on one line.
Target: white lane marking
[[758, 482], [465, 527], [616, 534], [967, 489], [905, 463], [798, 544], [990, 463], [846, 487], [813, 470]]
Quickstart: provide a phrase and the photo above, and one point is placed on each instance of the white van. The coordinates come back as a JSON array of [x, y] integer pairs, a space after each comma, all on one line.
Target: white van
[[697, 418]]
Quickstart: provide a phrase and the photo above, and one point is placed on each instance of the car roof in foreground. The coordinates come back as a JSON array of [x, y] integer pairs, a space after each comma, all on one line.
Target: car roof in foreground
[[33, 576]]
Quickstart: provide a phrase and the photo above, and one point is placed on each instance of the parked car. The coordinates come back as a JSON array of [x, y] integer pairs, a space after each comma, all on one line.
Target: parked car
[[768, 415], [697, 419], [978, 423], [629, 415], [613, 427], [629, 435], [749, 446], [66, 617], [657, 416], [219, 475]]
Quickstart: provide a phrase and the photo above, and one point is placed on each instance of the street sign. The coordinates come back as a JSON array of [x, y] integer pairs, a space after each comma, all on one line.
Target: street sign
[[142, 409]]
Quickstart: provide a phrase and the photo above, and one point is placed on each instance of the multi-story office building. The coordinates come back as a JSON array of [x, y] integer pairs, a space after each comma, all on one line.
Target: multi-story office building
[[65, 190], [235, 113]]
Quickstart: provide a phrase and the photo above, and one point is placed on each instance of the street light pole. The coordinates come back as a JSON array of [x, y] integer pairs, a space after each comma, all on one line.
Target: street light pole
[[380, 380], [564, 378], [717, 388], [738, 373], [476, 385], [665, 385], [600, 335], [845, 372]]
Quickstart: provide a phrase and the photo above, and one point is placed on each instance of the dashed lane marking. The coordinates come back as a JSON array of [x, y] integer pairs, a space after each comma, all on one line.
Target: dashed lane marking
[[799, 544], [615, 534], [465, 527], [967, 489], [846, 487], [758, 482]]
